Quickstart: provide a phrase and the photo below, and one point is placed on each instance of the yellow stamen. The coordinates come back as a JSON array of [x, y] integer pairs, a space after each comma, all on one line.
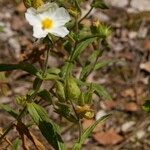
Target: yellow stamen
[[47, 23]]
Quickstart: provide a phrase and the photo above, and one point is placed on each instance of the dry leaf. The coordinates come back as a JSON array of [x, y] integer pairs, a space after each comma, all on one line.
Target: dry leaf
[[128, 93], [109, 137], [87, 123], [131, 107], [108, 104], [146, 44], [145, 66], [23, 130]]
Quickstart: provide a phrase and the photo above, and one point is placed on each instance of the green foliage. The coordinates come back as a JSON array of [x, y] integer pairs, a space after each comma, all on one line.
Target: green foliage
[[60, 91], [81, 47], [146, 106], [9, 110], [72, 89], [86, 133], [15, 145], [22, 66], [48, 128], [99, 4], [65, 111], [1, 28], [45, 95], [70, 97], [101, 91]]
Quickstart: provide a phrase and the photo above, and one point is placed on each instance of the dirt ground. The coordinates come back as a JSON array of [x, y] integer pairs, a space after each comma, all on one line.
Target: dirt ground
[[127, 80]]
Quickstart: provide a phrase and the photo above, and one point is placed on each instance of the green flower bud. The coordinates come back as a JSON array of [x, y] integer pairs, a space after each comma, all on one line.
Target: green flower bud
[[60, 91], [72, 90], [100, 29], [33, 3], [37, 3], [27, 3]]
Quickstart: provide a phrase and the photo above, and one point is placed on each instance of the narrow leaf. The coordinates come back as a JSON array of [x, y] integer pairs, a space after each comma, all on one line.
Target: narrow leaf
[[15, 145], [86, 133], [102, 64], [101, 91], [22, 66], [146, 106], [8, 109], [81, 47], [48, 128], [45, 95]]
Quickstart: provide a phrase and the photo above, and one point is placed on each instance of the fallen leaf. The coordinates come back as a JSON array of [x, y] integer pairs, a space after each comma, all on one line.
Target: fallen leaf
[[146, 44], [24, 131], [87, 123], [109, 137], [131, 106], [128, 93], [108, 104], [145, 66]]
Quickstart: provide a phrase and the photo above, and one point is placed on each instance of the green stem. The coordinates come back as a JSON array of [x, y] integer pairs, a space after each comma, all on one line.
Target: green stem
[[79, 121], [46, 62], [78, 6]]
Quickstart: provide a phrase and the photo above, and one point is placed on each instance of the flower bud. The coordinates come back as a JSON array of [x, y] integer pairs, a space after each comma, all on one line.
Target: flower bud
[[100, 29], [33, 3], [60, 91], [72, 90], [37, 3], [27, 3]]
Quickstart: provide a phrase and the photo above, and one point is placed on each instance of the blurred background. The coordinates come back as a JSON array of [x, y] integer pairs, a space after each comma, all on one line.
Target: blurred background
[[127, 80]]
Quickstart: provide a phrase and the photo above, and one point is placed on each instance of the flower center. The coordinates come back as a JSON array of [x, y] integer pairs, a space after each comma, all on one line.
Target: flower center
[[47, 23]]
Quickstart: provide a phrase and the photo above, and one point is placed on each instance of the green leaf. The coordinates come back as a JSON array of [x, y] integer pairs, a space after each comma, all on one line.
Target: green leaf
[[89, 93], [67, 45], [48, 128], [146, 106], [45, 95], [94, 55], [53, 70], [36, 83], [65, 111], [8, 109], [15, 145], [99, 4], [1, 28], [89, 64], [22, 66], [86, 133], [2, 77], [101, 91], [66, 69], [81, 47], [102, 64], [51, 77]]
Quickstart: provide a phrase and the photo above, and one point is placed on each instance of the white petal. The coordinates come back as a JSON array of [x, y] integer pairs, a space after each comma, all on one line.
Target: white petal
[[32, 17], [60, 17], [38, 32], [60, 31]]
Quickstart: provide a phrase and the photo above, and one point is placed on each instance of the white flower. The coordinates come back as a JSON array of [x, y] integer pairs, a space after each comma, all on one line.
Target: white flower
[[48, 18]]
